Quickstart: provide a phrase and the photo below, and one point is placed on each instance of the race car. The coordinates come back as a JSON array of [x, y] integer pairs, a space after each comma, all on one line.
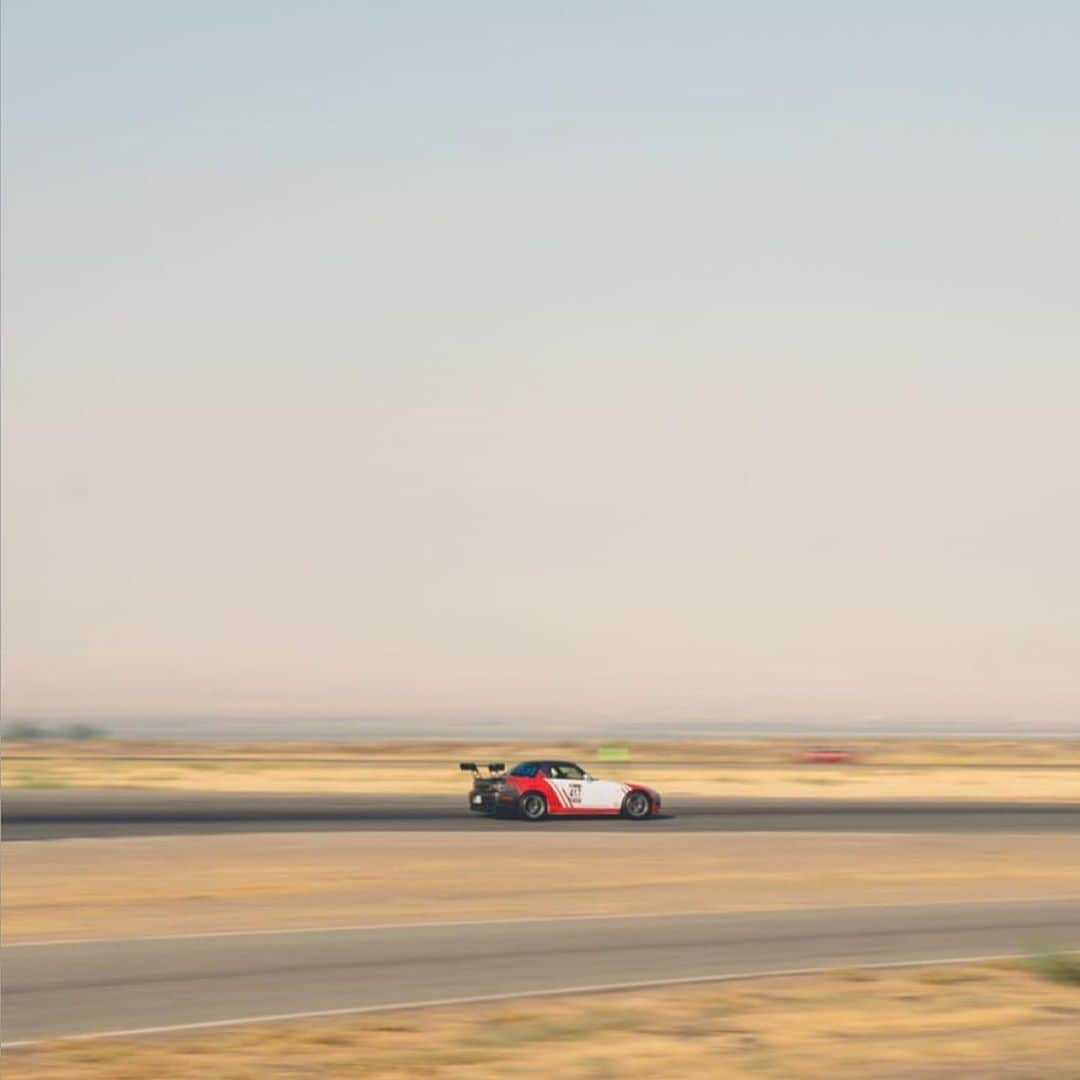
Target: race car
[[535, 789]]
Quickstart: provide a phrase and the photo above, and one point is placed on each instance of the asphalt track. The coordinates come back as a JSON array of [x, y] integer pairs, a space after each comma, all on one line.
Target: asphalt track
[[117, 986], [49, 814]]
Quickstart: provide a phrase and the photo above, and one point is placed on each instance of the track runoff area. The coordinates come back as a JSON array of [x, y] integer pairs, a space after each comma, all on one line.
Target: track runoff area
[[107, 986]]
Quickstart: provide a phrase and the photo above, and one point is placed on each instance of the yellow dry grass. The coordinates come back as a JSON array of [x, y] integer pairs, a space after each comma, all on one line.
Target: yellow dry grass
[[885, 751], [887, 769], [992, 1021], [174, 884]]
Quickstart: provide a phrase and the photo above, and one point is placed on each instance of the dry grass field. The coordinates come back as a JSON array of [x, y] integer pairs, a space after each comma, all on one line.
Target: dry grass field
[[885, 750], [173, 884], [886, 769], [997, 1021]]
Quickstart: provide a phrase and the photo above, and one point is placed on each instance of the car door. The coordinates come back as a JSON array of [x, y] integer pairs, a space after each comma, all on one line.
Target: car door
[[602, 794], [578, 792], [566, 789]]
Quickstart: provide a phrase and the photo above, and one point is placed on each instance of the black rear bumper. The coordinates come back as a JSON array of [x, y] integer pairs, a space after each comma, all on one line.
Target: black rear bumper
[[482, 802], [492, 802]]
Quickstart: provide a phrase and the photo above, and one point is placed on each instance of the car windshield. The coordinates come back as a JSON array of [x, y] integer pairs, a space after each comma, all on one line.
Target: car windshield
[[526, 768]]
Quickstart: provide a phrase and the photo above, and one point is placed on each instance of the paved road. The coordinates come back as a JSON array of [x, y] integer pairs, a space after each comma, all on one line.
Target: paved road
[[46, 814], [125, 985]]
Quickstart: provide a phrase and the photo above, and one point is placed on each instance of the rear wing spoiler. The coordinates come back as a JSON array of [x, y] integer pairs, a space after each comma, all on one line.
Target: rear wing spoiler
[[494, 768]]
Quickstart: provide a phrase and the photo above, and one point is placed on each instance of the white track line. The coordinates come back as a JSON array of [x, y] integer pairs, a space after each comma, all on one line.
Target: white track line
[[479, 999], [516, 920]]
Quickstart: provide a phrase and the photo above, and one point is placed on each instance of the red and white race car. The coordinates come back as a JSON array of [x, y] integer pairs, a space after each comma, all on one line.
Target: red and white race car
[[535, 789]]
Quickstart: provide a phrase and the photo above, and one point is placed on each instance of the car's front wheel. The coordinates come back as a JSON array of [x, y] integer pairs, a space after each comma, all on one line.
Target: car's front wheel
[[532, 806], [637, 805]]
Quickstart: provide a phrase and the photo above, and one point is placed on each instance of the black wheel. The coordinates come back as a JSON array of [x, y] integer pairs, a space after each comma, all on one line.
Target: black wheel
[[637, 805], [532, 806]]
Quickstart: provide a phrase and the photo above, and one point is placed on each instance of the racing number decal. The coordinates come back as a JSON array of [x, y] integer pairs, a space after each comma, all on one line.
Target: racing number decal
[[574, 793]]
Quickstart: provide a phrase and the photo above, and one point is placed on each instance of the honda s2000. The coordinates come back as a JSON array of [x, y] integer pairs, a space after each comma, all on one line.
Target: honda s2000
[[535, 789]]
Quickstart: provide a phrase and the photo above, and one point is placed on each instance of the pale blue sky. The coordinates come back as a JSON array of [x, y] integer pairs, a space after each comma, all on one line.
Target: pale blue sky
[[674, 359]]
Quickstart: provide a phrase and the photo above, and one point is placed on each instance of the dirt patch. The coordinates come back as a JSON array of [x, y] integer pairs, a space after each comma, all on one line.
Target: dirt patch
[[175, 884]]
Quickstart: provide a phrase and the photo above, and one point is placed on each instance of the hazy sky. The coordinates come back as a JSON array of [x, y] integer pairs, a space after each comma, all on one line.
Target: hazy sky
[[658, 359]]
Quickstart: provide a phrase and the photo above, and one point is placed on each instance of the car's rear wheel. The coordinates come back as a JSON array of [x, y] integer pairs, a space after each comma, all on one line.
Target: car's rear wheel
[[637, 805], [532, 806]]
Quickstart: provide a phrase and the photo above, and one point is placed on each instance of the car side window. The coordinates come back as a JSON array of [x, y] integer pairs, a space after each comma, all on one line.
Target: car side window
[[567, 772]]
